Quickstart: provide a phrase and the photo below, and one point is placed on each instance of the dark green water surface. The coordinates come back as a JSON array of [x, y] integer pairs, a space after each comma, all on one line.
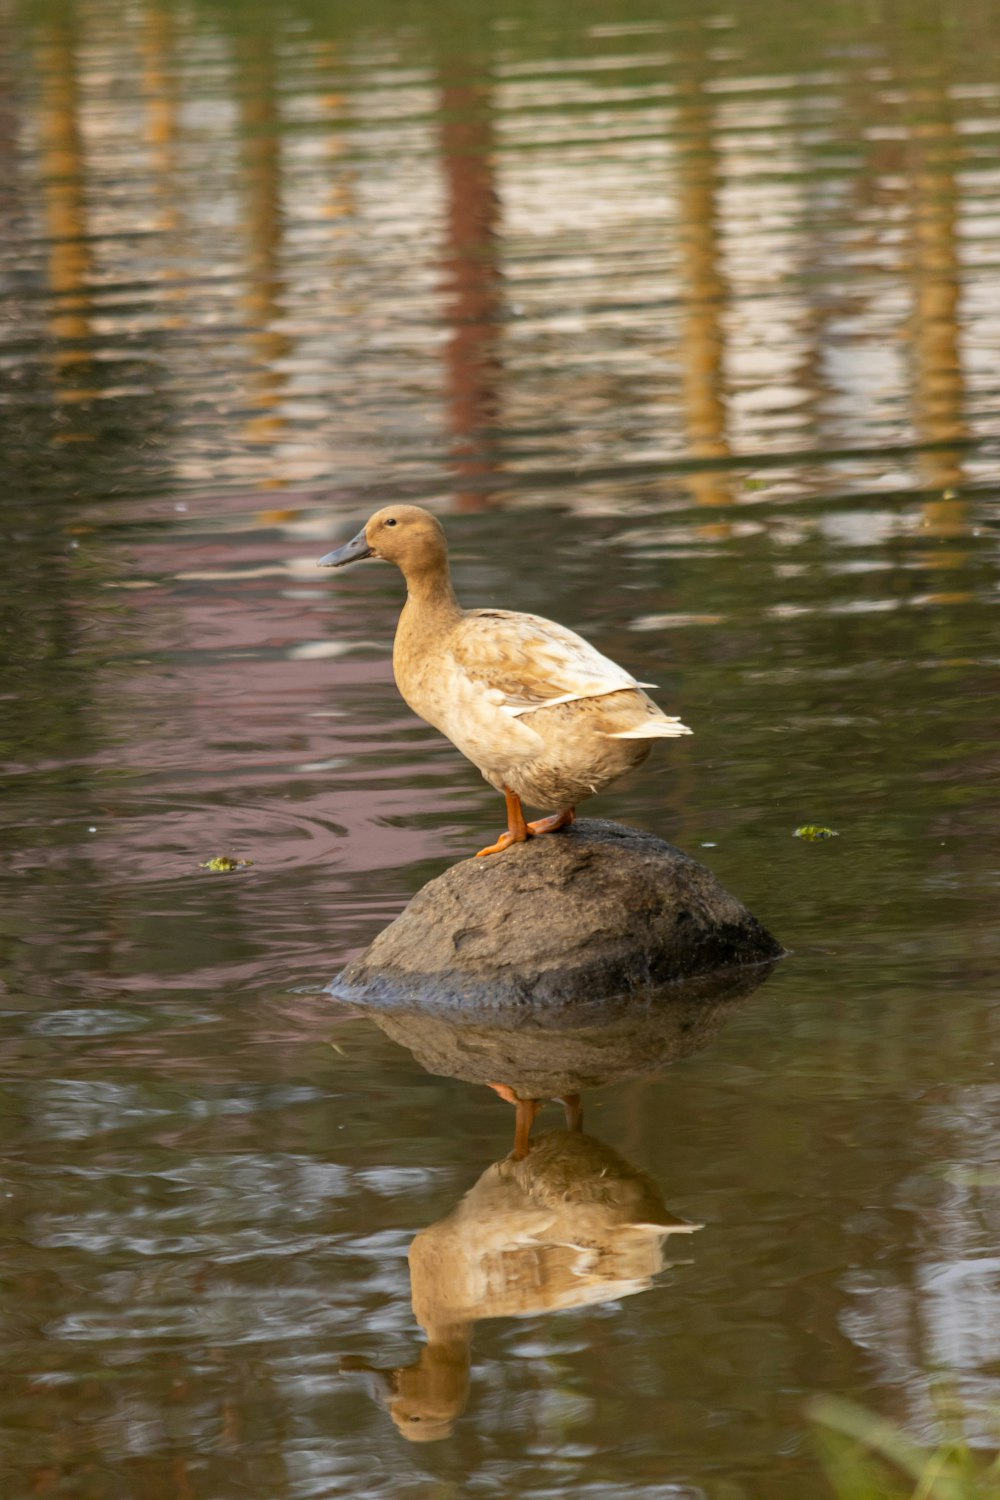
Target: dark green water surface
[[686, 319]]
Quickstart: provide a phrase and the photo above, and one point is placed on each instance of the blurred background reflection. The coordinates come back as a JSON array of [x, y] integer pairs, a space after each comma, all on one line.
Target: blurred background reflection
[[687, 319]]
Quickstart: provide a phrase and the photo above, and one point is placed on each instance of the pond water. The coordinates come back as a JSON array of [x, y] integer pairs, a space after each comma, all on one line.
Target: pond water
[[686, 319]]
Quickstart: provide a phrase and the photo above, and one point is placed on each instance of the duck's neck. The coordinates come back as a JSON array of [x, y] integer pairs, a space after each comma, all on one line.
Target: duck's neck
[[430, 596]]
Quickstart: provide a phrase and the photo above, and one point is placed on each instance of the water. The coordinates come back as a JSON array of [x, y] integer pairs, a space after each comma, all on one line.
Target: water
[[687, 322]]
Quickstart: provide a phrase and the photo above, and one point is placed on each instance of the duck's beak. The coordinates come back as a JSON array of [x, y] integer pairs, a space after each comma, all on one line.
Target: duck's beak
[[350, 552]]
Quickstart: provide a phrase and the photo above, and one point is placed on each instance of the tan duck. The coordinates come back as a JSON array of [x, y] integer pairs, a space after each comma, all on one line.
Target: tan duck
[[546, 718], [572, 1225]]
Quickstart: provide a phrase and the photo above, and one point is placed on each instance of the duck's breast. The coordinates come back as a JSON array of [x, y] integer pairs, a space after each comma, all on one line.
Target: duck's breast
[[444, 689]]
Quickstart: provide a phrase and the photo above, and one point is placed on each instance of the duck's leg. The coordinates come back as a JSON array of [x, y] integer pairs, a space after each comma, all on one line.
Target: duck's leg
[[517, 828], [557, 820], [527, 1109], [573, 1108]]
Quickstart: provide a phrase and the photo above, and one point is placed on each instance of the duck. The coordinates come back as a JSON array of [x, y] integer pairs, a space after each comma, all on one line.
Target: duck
[[545, 718], [572, 1225]]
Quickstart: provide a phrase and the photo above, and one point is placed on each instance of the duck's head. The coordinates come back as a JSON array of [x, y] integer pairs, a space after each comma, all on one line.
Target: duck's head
[[424, 1399], [404, 534]]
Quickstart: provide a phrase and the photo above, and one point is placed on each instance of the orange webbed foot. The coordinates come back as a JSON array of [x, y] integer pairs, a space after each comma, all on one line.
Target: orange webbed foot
[[505, 1091], [503, 842], [557, 820], [517, 828]]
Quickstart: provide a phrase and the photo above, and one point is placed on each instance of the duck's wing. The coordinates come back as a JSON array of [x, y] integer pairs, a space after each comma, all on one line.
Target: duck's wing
[[524, 662]]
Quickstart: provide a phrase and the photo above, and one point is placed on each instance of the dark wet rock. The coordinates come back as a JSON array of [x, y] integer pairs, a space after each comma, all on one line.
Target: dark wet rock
[[593, 914]]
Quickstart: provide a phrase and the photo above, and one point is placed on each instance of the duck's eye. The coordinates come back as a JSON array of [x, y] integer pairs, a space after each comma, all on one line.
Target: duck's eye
[[390, 521]]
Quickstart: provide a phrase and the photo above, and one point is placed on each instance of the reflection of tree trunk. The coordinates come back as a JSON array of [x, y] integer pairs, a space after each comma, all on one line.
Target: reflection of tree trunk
[[263, 178], [472, 276], [939, 391], [161, 129], [160, 125], [340, 202], [65, 207], [703, 295]]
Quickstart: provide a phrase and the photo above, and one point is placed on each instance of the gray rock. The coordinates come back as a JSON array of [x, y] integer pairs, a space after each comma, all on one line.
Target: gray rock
[[595, 914]]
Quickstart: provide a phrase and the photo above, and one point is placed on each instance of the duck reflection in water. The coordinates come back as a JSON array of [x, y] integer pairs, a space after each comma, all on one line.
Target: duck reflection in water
[[568, 1224], [563, 1221]]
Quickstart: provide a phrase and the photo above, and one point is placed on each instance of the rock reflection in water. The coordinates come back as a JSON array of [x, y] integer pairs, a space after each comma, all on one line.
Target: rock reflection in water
[[561, 1222], [616, 1040]]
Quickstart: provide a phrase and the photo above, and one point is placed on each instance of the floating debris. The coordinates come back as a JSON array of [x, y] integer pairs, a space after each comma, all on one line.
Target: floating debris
[[223, 863], [813, 832]]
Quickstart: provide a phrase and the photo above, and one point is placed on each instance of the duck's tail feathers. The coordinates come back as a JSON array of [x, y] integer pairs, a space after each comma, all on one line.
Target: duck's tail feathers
[[653, 729]]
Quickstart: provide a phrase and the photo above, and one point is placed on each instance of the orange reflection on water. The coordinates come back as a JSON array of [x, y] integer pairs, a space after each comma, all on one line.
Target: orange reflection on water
[[63, 183], [471, 278]]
